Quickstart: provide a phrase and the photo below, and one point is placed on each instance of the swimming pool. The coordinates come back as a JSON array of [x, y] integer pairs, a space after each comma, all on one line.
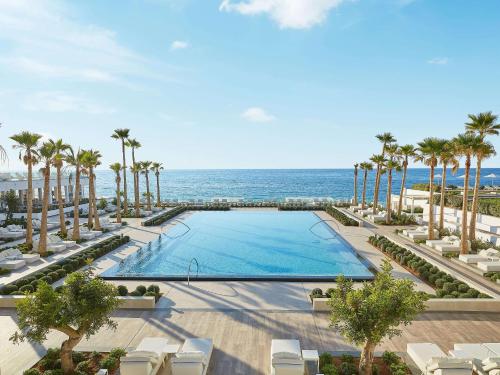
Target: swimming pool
[[250, 245]]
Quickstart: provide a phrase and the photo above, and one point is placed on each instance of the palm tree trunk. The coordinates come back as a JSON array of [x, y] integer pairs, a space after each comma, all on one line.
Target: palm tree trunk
[[375, 192], [90, 218], [363, 197], [431, 204], [76, 203], [137, 197], [118, 203], [355, 202], [464, 248], [158, 200], [97, 224], [125, 203], [42, 242], [29, 203], [148, 195], [403, 185], [62, 222], [441, 206], [475, 201], [388, 200]]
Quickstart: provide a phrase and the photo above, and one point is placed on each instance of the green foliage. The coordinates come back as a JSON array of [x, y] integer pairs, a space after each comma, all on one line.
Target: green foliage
[[102, 204], [390, 357], [32, 371], [12, 201], [341, 217], [84, 366], [329, 369], [324, 359], [77, 357], [141, 289], [368, 315], [348, 368], [347, 358], [164, 217], [122, 290], [316, 293], [80, 309], [109, 363], [117, 353], [4, 271]]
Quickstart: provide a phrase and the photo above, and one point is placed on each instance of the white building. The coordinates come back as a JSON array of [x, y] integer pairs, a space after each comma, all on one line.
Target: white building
[[18, 183]]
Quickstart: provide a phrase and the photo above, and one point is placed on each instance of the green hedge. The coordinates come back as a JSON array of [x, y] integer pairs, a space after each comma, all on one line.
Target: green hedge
[[164, 217], [60, 269], [486, 206], [446, 285], [341, 217]]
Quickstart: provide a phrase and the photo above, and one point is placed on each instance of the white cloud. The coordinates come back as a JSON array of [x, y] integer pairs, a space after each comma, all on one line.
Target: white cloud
[[294, 14], [438, 61], [56, 101], [178, 44], [44, 38], [257, 114]]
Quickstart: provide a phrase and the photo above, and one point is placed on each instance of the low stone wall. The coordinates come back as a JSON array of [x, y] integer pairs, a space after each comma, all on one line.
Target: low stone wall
[[128, 302], [439, 304]]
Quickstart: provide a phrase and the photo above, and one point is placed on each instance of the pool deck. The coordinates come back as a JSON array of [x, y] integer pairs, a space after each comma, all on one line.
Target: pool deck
[[243, 317]]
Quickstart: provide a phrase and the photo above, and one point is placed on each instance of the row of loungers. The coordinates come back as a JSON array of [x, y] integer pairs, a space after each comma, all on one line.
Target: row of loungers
[[486, 260], [464, 359], [193, 357], [419, 233], [13, 259]]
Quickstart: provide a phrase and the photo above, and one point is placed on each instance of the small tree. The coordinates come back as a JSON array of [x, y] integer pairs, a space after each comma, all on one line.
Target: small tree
[[79, 310], [368, 315], [12, 202]]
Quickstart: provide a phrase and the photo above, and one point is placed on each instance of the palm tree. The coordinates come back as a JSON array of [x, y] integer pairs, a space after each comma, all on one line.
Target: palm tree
[[391, 164], [146, 166], [466, 145], [482, 124], [136, 169], [134, 144], [59, 148], [90, 161], [116, 167], [122, 135], [365, 166], [46, 154], [27, 144], [355, 202], [429, 149], [378, 160], [484, 151], [75, 160], [447, 156], [406, 152], [386, 139], [156, 168]]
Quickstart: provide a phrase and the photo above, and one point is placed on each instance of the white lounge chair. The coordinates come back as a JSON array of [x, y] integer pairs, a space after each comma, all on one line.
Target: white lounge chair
[[484, 360], [286, 358], [444, 240], [377, 217], [482, 256], [55, 247], [430, 359], [87, 234], [492, 266], [146, 359], [106, 224], [10, 264], [16, 254], [450, 247], [8, 235], [55, 239], [193, 358], [16, 228]]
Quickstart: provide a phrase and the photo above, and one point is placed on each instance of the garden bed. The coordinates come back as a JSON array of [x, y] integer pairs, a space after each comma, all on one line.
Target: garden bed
[[446, 286], [87, 363], [341, 217], [388, 364], [61, 268]]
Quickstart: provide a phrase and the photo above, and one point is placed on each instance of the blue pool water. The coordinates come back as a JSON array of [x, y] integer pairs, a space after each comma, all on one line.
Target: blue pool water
[[246, 245]]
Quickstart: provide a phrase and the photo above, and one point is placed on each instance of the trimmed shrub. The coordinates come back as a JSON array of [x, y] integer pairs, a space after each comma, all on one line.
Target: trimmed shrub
[[27, 289], [109, 363], [122, 290], [77, 357], [154, 288], [329, 369], [9, 288], [141, 289], [32, 371], [135, 293], [117, 353], [347, 368], [325, 359], [390, 357]]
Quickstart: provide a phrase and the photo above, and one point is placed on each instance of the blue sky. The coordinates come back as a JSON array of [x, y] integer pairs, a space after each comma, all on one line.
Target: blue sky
[[246, 84]]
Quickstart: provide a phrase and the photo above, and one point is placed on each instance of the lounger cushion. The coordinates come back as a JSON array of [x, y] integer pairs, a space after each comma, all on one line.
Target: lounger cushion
[[289, 349], [442, 363], [151, 346], [143, 354], [289, 361], [191, 356], [423, 353]]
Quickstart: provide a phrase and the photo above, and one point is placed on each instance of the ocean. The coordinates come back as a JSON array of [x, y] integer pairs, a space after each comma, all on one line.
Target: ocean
[[267, 184]]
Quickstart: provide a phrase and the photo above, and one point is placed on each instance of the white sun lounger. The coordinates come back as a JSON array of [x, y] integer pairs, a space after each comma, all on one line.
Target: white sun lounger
[[193, 358], [146, 359], [430, 359], [16, 254], [449, 247], [286, 358], [482, 256], [55, 239], [492, 266], [55, 247], [106, 224], [485, 361], [7, 234]]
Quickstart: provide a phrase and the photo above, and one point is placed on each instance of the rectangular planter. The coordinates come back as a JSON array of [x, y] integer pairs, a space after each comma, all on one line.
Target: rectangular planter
[[127, 302]]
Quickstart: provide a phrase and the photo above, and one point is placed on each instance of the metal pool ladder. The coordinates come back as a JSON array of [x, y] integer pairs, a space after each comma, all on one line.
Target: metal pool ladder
[[189, 268]]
